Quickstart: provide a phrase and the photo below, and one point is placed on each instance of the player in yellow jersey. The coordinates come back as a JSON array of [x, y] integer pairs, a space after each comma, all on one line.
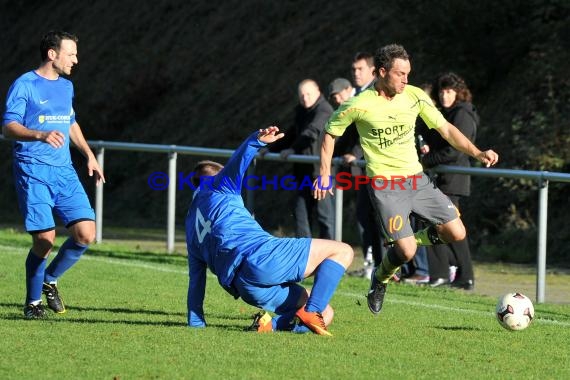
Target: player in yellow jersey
[[385, 117]]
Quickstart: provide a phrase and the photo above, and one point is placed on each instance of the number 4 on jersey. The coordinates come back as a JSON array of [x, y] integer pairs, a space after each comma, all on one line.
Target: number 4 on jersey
[[202, 227]]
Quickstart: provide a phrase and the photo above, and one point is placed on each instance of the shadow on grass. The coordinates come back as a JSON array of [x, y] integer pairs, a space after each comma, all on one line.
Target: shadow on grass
[[52, 318], [150, 257], [458, 328], [59, 319], [142, 234], [104, 309], [122, 310], [67, 318]]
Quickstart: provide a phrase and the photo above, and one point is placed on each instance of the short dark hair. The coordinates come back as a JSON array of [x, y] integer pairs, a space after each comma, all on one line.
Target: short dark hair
[[52, 40], [386, 55], [364, 55], [455, 82], [205, 169]]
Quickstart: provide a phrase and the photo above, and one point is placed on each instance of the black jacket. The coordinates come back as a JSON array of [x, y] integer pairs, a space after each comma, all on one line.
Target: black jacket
[[464, 116], [349, 143], [305, 135]]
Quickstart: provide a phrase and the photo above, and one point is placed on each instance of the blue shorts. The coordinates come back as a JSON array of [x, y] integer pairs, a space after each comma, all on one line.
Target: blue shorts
[[268, 277], [44, 189]]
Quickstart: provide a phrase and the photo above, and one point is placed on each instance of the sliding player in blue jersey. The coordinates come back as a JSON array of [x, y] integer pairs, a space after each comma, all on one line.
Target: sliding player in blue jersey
[[40, 118], [249, 262]]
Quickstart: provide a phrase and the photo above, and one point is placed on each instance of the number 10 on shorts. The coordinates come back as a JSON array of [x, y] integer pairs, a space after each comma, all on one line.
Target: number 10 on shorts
[[395, 223]]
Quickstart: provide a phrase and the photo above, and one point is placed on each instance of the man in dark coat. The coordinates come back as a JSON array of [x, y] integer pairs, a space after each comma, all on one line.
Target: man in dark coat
[[304, 137]]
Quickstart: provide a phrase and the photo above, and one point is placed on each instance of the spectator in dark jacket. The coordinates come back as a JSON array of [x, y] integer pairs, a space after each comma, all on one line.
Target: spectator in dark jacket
[[348, 147], [453, 98], [303, 137]]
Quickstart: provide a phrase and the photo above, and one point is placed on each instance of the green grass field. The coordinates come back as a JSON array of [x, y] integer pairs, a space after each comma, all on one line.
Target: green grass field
[[126, 319]]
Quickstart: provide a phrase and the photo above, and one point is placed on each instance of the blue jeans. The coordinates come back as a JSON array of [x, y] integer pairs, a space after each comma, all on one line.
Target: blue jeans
[[421, 262], [370, 232]]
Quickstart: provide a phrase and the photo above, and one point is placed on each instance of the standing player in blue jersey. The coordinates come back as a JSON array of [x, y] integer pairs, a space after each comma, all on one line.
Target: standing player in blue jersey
[[249, 262], [40, 118]]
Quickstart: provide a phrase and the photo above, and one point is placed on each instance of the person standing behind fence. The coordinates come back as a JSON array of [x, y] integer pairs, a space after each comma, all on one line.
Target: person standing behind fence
[[420, 265], [303, 137], [363, 76], [453, 98], [40, 118], [363, 71], [348, 147]]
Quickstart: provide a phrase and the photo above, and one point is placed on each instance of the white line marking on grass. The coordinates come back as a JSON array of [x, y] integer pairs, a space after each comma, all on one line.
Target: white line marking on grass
[[449, 308], [160, 267], [422, 304], [135, 264], [124, 262]]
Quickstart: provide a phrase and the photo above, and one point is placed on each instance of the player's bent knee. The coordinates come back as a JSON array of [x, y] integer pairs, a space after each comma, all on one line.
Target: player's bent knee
[[456, 234], [348, 251], [453, 231], [344, 253], [406, 248], [328, 315], [84, 239], [43, 243], [84, 233], [42, 248]]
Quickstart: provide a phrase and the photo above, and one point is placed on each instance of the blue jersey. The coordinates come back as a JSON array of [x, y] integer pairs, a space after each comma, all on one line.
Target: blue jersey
[[44, 105], [220, 231]]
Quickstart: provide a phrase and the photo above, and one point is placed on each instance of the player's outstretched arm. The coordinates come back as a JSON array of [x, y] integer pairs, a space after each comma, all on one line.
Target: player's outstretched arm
[[488, 157], [196, 292], [458, 140], [269, 134]]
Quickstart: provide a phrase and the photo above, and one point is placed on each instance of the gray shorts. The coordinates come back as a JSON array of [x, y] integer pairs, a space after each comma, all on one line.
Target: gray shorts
[[395, 198]]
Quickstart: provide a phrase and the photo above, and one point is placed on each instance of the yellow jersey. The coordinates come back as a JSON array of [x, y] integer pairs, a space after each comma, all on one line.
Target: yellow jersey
[[386, 128]]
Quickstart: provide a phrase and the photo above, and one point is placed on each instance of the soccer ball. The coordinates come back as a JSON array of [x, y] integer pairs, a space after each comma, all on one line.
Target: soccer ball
[[515, 311]]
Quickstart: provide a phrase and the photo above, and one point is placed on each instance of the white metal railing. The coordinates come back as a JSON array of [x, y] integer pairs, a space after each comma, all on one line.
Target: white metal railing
[[173, 151], [542, 178]]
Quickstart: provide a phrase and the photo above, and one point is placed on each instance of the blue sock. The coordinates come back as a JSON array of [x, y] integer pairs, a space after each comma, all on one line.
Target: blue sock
[[35, 268], [282, 322], [69, 253], [300, 329], [327, 277]]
